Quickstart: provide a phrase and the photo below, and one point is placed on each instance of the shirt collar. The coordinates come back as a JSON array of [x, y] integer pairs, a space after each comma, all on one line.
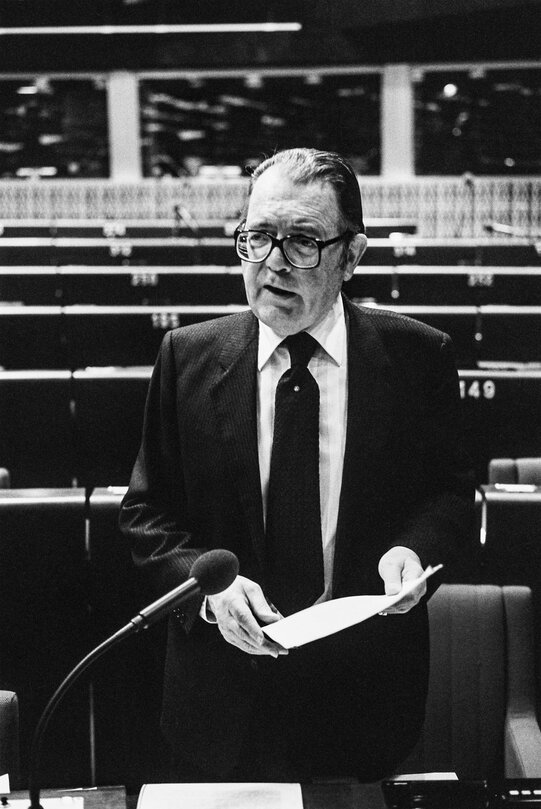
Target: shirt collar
[[330, 333]]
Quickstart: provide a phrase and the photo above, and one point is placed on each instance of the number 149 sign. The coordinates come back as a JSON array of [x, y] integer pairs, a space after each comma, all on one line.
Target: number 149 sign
[[477, 389]]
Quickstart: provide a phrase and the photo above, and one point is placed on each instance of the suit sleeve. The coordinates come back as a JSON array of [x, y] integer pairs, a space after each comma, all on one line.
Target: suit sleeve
[[439, 525], [153, 515]]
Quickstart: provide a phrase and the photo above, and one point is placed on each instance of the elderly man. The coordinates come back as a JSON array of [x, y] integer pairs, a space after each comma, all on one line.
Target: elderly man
[[321, 443]]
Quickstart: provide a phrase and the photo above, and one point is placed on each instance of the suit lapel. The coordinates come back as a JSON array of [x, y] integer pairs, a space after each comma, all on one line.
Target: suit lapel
[[368, 428], [235, 398]]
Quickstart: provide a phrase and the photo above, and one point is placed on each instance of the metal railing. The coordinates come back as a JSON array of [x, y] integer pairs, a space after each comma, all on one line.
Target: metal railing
[[446, 207]]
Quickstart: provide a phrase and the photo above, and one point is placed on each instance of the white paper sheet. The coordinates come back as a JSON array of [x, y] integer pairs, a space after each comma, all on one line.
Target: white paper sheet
[[425, 776], [332, 616], [220, 796], [4, 784]]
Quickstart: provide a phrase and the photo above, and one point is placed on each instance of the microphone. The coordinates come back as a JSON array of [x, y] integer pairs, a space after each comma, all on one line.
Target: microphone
[[511, 230], [211, 573], [182, 214], [468, 208]]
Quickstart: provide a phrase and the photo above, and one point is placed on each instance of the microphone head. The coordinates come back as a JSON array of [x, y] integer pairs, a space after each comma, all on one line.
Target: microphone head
[[214, 571]]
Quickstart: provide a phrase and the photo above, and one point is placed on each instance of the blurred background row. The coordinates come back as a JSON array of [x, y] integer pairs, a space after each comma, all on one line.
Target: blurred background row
[[481, 120]]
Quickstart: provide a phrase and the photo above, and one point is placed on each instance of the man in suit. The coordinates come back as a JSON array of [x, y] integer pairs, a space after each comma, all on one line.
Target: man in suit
[[394, 490]]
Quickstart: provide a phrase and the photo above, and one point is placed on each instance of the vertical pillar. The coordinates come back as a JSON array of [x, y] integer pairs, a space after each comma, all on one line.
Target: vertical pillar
[[124, 125], [397, 123]]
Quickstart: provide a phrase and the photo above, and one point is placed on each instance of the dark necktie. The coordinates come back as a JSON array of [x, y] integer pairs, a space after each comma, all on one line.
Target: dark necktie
[[293, 530]]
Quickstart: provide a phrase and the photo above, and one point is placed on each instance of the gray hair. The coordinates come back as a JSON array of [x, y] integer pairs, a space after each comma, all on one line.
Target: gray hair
[[310, 165]]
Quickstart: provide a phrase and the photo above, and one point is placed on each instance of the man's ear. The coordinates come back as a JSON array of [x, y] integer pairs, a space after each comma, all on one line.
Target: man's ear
[[355, 252]]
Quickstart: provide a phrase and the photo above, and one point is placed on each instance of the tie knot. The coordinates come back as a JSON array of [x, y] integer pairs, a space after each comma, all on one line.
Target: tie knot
[[301, 346]]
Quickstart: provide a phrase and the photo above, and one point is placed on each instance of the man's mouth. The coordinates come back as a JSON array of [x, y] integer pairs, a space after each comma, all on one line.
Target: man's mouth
[[281, 293]]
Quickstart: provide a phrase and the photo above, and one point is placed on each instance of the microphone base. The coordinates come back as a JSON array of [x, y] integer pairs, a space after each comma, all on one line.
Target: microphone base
[[66, 802]]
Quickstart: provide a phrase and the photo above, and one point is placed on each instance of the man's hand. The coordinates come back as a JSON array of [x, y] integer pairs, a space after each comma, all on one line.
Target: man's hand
[[396, 567], [236, 610]]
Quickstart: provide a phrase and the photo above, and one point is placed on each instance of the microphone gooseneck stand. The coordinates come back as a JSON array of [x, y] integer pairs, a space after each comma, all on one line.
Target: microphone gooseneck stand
[[211, 573], [35, 750]]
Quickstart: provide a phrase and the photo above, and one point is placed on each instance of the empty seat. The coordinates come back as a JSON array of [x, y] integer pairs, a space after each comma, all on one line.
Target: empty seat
[[480, 718], [515, 470]]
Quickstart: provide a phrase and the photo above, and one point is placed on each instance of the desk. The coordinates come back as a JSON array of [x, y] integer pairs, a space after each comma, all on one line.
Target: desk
[[501, 412], [342, 796], [315, 796], [36, 442], [44, 622], [106, 398], [95, 798]]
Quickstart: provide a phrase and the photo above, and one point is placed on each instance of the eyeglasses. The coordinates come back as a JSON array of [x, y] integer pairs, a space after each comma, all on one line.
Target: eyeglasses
[[302, 252]]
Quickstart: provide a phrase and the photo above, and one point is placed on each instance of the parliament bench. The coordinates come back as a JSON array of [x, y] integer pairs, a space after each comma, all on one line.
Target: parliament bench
[[60, 427], [176, 225], [46, 285], [44, 627], [200, 248], [80, 335]]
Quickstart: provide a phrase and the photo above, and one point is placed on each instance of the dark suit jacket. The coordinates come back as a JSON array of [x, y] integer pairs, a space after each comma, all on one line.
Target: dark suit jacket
[[196, 486]]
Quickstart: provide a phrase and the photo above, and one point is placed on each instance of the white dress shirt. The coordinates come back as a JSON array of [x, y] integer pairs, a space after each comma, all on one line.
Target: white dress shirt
[[328, 366]]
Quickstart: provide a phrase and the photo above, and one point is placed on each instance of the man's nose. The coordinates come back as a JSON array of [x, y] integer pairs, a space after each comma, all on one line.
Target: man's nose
[[277, 260]]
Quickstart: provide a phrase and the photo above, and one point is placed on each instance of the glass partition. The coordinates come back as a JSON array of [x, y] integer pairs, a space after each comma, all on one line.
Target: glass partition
[[53, 128], [480, 121], [193, 123]]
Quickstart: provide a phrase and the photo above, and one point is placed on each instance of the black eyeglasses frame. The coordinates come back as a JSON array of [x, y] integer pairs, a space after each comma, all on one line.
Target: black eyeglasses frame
[[276, 242]]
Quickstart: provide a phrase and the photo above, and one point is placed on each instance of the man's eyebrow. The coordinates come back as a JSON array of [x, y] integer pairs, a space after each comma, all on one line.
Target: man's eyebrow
[[302, 226], [257, 224], [306, 226]]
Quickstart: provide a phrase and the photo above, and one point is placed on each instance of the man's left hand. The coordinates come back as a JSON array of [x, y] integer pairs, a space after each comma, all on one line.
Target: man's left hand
[[396, 567]]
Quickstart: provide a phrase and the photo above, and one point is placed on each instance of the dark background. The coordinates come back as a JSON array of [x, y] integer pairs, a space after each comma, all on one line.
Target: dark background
[[334, 32]]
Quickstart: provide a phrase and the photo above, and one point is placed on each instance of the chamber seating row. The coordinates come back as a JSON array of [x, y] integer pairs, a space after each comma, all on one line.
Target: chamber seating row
[[75, 336], [204, 249], [181, 224], [112, 228], [69, 583], [208, 284], [59, 428]]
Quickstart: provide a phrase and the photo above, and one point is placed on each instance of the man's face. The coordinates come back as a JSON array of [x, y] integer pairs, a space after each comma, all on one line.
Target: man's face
[[288, 299]]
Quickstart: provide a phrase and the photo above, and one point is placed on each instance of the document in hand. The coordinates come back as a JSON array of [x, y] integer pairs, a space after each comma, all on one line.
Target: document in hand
[[220, 796], [332, 616]]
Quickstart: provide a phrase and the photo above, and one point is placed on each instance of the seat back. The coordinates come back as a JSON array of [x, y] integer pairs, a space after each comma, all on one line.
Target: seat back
[[515, 470], [464, 724], [9, 736]]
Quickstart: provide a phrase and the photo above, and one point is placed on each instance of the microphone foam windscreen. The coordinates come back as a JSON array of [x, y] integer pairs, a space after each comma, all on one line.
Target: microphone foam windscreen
[[214, 571]]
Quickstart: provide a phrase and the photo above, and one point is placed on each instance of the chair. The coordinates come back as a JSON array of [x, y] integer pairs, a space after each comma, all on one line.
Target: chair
[[9, 736], [480, 719], [515, 470], [5, 478], [44, 619]]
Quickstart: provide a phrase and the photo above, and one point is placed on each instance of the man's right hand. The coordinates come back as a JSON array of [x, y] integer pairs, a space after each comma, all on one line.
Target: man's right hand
[[238, 610]]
